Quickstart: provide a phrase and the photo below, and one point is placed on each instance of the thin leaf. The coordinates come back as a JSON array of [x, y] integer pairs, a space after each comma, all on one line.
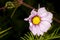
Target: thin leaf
[[3, 34], [5, 30]]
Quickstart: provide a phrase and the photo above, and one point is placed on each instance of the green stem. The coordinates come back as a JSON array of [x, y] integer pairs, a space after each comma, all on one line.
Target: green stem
[[13, 12], [54, 37], [3, 35], [5, 30]]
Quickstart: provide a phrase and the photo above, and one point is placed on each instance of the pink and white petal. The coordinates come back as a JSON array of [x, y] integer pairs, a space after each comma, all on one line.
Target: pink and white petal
[[39, 32], [44, 26], [48, 17], [45, 19], [33, 29], [29, 18], [42, 12], [26, 19], [32, 15], [30, 23], [33, 12]]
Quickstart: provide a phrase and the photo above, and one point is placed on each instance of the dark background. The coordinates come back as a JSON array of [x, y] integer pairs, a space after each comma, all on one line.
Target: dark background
[[19, 26]]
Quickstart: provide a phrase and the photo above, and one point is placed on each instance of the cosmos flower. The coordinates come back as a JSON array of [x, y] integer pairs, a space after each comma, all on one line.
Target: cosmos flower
[[39, 21]]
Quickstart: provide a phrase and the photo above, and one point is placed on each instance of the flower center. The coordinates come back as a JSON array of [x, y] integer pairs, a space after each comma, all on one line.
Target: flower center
[[36, 20]]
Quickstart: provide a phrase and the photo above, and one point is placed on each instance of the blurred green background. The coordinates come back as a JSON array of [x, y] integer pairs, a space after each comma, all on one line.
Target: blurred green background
[[15, 27]]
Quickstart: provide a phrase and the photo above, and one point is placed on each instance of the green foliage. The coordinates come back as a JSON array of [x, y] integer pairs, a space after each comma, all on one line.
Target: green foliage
[[1, 36], [9, 5], [5, 30], [46, 36]]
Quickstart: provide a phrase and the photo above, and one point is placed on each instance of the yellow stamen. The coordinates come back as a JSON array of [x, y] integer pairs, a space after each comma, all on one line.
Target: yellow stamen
[[36, 20]]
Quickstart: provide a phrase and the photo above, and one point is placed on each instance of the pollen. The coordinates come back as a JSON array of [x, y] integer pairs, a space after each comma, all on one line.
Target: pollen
[[36, 20]]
